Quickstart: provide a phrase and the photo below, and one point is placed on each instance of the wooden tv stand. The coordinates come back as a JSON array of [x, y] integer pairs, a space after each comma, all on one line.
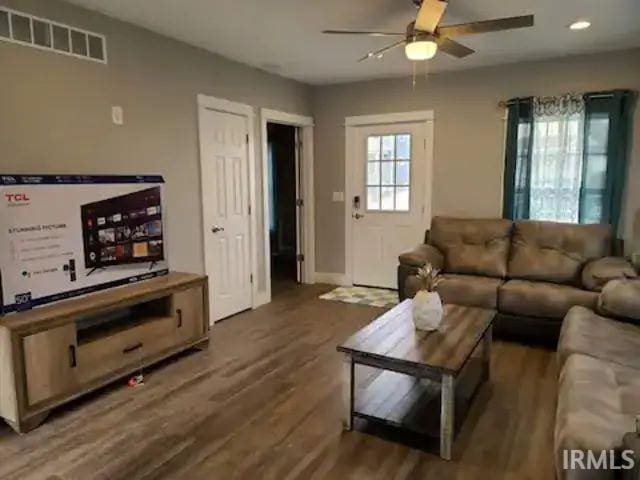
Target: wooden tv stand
[[58, 352]]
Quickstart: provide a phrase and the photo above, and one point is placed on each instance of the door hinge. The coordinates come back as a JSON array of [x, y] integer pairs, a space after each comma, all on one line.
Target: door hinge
[[300, 257], [249, 209], [299, 202], [247, 137], [251, 278]]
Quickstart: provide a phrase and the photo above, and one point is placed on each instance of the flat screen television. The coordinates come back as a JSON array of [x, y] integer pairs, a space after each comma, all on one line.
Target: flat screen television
[[123, 229]]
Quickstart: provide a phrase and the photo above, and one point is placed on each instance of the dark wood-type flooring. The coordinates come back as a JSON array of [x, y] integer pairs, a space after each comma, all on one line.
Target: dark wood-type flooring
[[264, 402]]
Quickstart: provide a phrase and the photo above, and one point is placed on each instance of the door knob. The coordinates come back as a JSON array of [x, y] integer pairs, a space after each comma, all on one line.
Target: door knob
[[358, 216], [217, 229]]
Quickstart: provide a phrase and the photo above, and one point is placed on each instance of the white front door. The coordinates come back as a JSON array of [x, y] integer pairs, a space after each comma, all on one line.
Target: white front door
[[225, 192], [388, 185]]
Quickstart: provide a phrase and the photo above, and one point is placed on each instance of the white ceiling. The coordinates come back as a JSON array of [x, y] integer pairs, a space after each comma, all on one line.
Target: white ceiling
[[284, 36]]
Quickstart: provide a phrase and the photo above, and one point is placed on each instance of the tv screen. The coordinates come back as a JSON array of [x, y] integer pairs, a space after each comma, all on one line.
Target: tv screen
[[123, 229]]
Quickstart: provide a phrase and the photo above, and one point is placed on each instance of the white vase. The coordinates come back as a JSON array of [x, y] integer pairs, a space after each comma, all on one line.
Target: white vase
[[427, 310]]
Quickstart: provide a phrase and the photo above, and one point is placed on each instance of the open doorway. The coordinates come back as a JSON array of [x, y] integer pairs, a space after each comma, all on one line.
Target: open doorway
[[284, 202]]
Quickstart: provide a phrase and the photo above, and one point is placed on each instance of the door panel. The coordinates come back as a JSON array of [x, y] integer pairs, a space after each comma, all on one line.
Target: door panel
[[389, 183], [225, 163], [50, 361], [188, 308]]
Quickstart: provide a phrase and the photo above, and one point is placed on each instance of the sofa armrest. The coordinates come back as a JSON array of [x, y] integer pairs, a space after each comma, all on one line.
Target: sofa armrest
[[621, 298], [421, 255], [597, 273]]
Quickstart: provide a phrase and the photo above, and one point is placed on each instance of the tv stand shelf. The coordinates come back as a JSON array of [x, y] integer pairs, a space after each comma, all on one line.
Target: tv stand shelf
[[55, 353]]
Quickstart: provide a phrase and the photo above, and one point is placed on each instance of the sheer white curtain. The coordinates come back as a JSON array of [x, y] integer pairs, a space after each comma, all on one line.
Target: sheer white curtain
[[556, 158]]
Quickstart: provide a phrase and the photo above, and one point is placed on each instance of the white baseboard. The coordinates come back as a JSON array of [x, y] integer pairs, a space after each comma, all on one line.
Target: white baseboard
[[332, 278]]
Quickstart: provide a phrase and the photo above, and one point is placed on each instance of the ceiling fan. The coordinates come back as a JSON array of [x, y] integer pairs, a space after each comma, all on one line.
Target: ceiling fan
[[424, 36]]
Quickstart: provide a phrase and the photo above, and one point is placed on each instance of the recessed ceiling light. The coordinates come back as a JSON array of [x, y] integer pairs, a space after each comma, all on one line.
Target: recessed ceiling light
[[580, 25]]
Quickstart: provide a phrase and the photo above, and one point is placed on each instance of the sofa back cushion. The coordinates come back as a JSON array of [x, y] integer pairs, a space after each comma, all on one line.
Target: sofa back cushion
[[556, 252], [473, 246]]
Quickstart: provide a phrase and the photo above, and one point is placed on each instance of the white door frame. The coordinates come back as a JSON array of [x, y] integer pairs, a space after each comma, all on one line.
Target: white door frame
[[306, 124], [350, 157], [227, 106]]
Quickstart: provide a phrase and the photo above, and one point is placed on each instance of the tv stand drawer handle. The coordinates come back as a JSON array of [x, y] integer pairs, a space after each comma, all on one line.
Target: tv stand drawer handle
[[132, 348], [73, 361], [179, 315]]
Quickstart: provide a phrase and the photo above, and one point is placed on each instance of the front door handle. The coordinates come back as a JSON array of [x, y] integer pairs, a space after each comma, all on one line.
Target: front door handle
[[217, 229], [358, 216]]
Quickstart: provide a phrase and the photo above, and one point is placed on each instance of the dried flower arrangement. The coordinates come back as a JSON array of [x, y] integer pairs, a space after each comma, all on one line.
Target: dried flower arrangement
[[429, 277]]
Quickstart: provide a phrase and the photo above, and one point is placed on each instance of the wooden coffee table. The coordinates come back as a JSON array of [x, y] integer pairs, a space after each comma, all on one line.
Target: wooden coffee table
[[423, 375]]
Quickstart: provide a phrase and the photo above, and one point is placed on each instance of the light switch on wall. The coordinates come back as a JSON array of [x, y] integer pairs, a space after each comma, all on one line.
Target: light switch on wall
[[117, 115], [338, 196]]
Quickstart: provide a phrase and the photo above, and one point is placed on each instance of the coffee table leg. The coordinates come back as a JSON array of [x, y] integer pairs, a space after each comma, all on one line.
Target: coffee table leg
[[447, 416], [347, 392], [486, 352]]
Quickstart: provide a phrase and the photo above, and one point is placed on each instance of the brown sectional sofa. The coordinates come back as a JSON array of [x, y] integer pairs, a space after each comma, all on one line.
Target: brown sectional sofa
[[599, 382], [531, 272]]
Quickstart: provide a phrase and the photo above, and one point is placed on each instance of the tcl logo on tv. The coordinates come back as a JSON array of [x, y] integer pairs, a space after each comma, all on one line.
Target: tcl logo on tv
[[17, 198]]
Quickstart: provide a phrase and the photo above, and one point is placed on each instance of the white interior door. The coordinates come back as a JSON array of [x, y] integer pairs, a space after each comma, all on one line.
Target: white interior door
[[389, 199], [225, 193]]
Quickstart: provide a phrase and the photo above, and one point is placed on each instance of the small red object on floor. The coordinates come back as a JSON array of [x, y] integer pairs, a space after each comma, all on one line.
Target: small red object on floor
[[136, 381]]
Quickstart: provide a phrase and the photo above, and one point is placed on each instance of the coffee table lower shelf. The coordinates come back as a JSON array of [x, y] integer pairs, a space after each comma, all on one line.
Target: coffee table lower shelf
[[414, 404]]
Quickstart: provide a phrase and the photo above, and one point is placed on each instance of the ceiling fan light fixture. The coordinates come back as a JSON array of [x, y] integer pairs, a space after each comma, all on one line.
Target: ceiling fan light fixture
[[580, 25], [419, 50]]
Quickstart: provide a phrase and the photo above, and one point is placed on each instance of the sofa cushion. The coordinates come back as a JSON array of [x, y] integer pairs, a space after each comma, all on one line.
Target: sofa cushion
[[556, 252], [473, 246], [541, 299], [586, 333], [597, 405], [597, 273], [470, 290], [621, 298]]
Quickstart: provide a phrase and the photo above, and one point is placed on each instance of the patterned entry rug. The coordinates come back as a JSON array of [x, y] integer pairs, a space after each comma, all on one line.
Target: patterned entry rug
[[376, 297]]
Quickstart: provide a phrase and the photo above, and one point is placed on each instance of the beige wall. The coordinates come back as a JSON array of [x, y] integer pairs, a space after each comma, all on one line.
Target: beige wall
[[55, 111], [469, 130]]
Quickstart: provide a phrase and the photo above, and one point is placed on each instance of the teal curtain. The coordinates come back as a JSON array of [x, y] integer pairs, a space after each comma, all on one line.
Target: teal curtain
[[607, 135], [608, 130], [517, 173]]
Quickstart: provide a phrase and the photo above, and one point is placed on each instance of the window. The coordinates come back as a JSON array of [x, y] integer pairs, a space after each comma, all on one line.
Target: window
[[595, 167], [566, 157], [556, 167], [388, 175]]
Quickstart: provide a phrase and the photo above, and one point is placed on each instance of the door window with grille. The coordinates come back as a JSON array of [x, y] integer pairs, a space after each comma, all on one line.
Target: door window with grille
[[388, 173]]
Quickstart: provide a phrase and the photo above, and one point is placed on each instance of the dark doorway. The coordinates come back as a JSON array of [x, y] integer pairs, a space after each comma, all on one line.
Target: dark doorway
[[283, 223]]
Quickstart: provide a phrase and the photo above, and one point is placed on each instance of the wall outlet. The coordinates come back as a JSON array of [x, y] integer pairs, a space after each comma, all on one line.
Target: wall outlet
[[338, 196], [117, 115]]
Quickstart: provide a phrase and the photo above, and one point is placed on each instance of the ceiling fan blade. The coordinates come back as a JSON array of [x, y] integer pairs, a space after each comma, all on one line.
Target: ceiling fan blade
[[430, 14], [487, 26], [382, 51], [453, 48], [363, 32]]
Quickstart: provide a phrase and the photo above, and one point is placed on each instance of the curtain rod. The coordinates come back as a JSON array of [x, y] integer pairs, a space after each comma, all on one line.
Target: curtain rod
[[506, 103]]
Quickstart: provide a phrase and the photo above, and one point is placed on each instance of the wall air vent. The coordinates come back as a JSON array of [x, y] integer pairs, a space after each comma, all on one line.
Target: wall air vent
[[24, 29]]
